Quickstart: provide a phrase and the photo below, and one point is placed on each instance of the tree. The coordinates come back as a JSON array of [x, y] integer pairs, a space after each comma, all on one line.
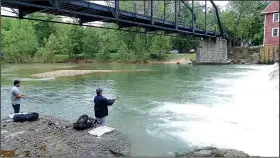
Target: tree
[[243, 19], [159, 47], [75, 42], [184, 44], [17, 44], [91, 43], [43, 29]]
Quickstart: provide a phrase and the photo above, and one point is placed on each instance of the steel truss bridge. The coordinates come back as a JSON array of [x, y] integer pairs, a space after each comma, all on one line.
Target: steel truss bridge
[[169, 16]]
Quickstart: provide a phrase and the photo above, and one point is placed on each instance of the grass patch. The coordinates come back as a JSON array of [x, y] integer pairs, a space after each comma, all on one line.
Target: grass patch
[[61, 58], [188, 56], [114, 56]]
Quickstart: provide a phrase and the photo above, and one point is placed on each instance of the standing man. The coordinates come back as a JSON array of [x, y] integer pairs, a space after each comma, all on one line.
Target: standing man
[[16, 96], [101, 106]]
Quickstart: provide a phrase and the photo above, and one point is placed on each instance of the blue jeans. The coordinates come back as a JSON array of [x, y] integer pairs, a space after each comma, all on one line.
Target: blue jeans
[[16, 108], [101, 121]]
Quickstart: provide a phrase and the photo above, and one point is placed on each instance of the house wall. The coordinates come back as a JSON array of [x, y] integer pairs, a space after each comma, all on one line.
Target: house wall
[[269, 24]]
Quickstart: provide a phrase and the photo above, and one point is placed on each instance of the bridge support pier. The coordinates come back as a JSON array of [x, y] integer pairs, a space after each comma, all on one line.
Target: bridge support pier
[[212, 51]]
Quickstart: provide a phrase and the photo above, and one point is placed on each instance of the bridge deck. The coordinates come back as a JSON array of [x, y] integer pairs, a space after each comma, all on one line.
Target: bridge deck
[[89, 12]]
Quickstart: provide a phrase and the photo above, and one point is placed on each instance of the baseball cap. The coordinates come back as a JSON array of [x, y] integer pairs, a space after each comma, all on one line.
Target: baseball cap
[[98, 90]]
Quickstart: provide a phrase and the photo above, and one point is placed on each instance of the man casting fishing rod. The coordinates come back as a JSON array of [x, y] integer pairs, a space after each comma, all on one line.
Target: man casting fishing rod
[[101, 106], [16, 96]]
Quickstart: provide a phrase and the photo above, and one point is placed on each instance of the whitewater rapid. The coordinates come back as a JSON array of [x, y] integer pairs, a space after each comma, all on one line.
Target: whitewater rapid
[[249, 121]]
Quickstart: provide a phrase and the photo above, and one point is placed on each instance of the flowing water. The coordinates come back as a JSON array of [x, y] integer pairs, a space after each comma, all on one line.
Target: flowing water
[[169, 108]]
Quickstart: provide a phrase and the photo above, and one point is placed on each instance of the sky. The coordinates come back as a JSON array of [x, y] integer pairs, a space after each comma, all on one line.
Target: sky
[[221, 4]]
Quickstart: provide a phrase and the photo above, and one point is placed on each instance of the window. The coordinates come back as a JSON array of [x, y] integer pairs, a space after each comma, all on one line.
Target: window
[[276, 17], [275, 32]]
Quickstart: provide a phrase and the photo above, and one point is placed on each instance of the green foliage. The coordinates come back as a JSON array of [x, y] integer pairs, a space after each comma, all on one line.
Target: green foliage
[[43, 29], [160, 46], [17, 44], [104, 54], [184, 44], [61, 58], [243, 20], [90, 43], [75, 43], [44, 55], [54, 45], [125, 55]]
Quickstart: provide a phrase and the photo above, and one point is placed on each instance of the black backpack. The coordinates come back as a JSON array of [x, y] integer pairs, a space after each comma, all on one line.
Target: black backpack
[[84, 122]]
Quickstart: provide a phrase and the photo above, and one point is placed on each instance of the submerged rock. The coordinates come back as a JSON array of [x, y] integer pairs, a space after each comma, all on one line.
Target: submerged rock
[[212, 152], [49, 136]]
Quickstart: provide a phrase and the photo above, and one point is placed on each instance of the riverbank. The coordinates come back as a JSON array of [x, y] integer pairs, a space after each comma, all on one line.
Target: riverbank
[[173, 59], [212, 152], [60, 73], [169, 59], [50, 136]]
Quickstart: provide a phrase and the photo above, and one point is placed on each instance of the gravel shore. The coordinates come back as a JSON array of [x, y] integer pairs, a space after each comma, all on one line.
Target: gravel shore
[[49, 136], [60, 73]]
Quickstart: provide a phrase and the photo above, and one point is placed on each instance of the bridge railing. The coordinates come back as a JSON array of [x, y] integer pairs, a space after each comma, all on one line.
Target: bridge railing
[[174, 11]]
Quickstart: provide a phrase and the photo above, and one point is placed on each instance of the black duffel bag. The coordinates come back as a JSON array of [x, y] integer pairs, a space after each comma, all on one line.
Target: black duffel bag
[[20, 118], [32, 116], [84, 122], [26, 117]]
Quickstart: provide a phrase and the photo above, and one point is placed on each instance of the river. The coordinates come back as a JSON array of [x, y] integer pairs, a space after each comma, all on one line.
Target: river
[[165, 109]]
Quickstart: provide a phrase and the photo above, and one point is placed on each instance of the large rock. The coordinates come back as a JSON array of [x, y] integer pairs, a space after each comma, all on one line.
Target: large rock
[[212, 152], [49, 136]]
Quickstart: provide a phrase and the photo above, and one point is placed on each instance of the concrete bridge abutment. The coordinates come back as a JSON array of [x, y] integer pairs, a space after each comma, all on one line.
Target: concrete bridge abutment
[[212, 51]]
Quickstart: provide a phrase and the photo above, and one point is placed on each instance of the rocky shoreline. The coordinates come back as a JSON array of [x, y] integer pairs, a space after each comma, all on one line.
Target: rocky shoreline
[[50, 136], [212, 152]]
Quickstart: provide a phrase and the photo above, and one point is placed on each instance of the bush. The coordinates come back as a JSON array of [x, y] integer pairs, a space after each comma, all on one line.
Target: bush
[[44, 56], [160, 56], [104, 55], [61, 58], [125, 55]]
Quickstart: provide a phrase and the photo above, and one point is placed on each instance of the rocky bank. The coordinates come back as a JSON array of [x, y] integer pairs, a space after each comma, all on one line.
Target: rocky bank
[[49, 136], [212, 152]]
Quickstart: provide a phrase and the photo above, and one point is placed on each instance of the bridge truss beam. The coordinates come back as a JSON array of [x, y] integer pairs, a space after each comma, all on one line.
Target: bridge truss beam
[[88, 12]]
